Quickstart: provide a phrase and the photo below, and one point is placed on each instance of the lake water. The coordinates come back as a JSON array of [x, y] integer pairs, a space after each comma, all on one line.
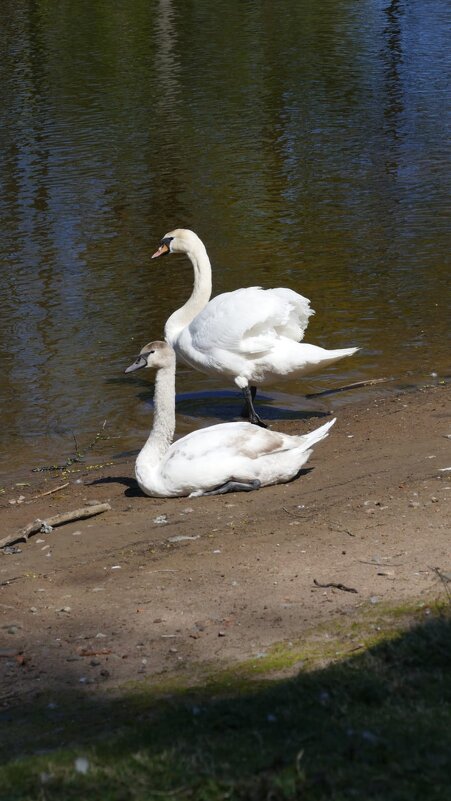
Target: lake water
[[304, 142]]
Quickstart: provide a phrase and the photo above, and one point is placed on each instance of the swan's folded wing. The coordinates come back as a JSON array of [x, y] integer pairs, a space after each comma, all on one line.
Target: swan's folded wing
[[215, 446], [250, 320]]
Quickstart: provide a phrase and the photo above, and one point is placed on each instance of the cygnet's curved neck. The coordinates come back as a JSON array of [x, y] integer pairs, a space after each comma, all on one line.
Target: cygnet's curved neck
[[199, 297], [163, 427]]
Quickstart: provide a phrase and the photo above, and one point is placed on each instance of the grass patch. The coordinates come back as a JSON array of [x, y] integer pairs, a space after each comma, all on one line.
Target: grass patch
[[372, 724]]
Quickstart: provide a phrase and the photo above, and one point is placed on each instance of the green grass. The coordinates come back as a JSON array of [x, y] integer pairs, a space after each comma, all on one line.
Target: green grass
[[372, 724]]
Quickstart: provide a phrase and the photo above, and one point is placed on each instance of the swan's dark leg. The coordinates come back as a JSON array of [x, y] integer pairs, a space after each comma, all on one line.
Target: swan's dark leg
[[245, 410], [234, 486], [249, 395]]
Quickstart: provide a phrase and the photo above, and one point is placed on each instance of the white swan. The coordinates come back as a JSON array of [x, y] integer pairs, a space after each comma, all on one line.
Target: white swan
[[214, 460], [251, 335]]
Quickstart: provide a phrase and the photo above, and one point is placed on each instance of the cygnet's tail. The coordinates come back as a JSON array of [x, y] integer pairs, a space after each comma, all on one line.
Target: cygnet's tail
[[308, 440]]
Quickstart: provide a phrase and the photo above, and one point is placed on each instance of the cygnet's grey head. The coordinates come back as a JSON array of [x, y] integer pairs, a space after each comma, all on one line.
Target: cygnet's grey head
[[154, 354], [181, 240]]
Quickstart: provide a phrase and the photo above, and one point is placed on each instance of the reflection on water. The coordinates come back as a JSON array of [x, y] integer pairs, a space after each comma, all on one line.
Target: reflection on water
[[305, 145]]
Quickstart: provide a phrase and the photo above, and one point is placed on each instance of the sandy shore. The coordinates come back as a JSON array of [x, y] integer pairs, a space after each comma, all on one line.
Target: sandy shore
[[156, 586]]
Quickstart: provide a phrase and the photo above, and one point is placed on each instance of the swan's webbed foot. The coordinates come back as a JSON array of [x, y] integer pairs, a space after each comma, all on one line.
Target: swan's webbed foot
[[234, 486], [249, 409]]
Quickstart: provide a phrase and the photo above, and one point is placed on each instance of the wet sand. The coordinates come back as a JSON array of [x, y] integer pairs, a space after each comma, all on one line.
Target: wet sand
[[155, 587]]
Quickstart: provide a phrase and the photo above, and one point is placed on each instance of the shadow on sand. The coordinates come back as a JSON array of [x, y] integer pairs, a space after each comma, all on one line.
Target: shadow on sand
[[376, 725]]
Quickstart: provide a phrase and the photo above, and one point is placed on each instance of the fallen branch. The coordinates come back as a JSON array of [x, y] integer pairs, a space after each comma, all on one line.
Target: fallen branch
[[56, 520], [355, 385], [50, 492], [337, 586]]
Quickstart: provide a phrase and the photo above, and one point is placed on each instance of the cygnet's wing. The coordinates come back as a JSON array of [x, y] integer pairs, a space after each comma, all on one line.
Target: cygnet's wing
[[250, 320], [210, 456]]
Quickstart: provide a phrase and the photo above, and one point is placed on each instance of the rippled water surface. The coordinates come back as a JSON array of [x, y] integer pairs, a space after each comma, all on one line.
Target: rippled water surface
[[305, 143]]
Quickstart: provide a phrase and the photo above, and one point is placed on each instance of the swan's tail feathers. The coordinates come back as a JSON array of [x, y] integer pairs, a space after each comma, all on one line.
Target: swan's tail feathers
[[340, 353], [308, 440]]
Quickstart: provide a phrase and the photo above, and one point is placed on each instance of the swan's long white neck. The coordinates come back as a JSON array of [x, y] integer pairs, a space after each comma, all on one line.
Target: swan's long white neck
[[163, 427], [199, 297]]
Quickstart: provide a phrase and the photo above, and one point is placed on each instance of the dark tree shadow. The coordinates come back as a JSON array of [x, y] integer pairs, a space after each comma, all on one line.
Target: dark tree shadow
[[375, 726]]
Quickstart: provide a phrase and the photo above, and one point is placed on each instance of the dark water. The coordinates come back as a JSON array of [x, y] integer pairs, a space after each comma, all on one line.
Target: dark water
[[304, 142]]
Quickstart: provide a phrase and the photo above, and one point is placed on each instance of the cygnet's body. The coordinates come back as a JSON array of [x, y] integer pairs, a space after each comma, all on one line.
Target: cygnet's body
[[214, 460]]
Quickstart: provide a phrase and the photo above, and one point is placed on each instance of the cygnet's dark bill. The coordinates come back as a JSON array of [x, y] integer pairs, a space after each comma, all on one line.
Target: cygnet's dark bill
[[141, 361]]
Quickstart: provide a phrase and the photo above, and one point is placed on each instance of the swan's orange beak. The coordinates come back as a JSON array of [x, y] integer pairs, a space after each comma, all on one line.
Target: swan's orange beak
[[162, 250]]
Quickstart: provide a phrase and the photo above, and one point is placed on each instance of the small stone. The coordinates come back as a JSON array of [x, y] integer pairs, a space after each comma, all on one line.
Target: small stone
[[221, 633], [95, 662], [81, 765], [33, 609], [65, 609], [13, 629]]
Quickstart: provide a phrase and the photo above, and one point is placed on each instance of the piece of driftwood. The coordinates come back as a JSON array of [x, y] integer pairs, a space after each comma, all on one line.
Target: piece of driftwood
[[56, 520], [368, 383]]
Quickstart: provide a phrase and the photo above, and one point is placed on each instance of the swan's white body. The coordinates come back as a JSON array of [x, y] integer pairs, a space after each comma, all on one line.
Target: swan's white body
[[212, 457], [250, 335]]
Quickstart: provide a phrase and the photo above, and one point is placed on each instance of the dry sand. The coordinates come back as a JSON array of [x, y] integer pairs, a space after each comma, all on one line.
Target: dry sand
[[158, 586]]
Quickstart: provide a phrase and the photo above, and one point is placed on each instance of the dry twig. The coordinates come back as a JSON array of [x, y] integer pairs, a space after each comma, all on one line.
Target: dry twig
[[337, 586], [50, 492], [355, 385], [445, 578]]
